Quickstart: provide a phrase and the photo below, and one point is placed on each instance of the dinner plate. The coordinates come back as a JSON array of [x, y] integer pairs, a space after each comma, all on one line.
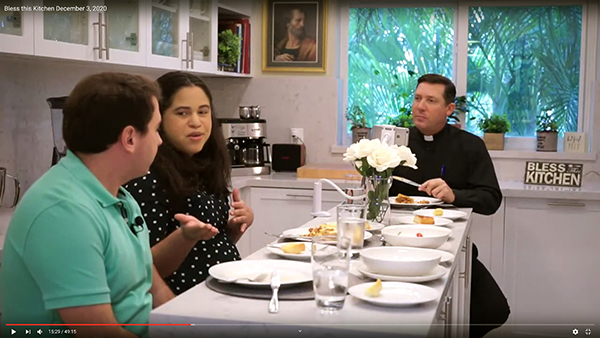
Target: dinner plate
[[304, 255], [291, 272], [440, 221], [300, 234], [449, 214], [396, 294], [431, 200], [437, 272]]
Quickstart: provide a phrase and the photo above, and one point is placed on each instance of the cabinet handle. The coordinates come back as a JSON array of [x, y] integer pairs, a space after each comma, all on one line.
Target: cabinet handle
[[191, 44], [106, 36], [448, 314], [187, 52], [294, 195], [99, 24], [468, 263], [567, 204]]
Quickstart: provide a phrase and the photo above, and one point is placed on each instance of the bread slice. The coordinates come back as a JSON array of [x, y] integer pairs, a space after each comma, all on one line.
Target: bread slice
[[293, 248], [424, 220]]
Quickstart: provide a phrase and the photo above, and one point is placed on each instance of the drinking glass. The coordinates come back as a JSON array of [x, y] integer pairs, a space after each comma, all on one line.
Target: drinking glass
[[354, 187], [330, 266], [351, 224]]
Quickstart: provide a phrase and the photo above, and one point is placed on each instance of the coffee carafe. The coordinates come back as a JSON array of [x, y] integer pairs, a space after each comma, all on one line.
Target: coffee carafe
[[56, 109], [17, 188]]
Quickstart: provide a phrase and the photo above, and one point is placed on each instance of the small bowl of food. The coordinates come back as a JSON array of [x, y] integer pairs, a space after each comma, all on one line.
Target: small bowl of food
[[399, 261], [421, 236]]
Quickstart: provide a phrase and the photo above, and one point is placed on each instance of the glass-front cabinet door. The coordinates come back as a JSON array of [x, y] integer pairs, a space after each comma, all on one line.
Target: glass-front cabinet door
[[167, 26], [66, 34], [124, 32], [16, 27], [201, 34]]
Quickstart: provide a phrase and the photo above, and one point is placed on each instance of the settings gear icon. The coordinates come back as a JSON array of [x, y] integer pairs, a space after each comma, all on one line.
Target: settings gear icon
[[575, 332]]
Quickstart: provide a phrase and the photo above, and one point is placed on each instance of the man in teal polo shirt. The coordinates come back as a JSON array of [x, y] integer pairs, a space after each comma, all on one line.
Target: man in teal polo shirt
[[77, 249]]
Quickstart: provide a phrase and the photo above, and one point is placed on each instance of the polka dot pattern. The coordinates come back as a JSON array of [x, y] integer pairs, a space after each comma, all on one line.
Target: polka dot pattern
[[208, 208]]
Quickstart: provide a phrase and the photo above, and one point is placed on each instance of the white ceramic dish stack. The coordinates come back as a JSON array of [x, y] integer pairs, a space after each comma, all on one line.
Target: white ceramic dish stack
[[408, 235], [399, 261]]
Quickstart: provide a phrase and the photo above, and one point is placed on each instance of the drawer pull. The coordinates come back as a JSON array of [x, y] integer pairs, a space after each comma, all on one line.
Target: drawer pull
[[567, 204], [295, 195]]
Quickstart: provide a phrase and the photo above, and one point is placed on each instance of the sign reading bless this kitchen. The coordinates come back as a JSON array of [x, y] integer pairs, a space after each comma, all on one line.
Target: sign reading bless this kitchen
[[552, 173]]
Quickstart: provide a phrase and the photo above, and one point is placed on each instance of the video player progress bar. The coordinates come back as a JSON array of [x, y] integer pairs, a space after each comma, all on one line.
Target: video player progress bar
[[298, 324]]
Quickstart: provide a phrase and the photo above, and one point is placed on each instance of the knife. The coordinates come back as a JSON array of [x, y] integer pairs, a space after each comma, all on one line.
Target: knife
[[275, 284], [406, 180]]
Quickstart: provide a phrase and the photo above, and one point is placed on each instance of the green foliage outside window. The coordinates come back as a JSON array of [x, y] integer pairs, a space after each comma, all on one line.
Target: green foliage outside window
[[522, 60]]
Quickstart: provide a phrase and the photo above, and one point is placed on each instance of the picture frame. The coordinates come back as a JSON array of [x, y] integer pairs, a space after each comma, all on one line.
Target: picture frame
[[294, 36]]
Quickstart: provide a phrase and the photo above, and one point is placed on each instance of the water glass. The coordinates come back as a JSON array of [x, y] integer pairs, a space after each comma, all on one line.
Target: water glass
[[351, 224], [330, 266], [354, 186]]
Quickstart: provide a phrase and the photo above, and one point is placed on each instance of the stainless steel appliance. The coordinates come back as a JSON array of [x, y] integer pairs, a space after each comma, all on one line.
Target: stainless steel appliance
[[56, 110], [16, 192], [249, 151]]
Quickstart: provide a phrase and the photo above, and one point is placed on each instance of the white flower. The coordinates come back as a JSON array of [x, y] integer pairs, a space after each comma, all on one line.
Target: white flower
[[404, 153], [366, 147], [383, 157]]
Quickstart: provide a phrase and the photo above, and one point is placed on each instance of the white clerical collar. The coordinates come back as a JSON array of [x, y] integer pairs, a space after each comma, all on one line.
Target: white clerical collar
[[428, 138]]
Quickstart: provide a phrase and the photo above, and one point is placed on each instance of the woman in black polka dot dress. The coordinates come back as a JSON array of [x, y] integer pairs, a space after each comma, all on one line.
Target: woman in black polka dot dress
[[185, 195]]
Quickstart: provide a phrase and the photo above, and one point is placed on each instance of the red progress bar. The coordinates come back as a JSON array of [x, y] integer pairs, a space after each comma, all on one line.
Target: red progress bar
[[98, 324]]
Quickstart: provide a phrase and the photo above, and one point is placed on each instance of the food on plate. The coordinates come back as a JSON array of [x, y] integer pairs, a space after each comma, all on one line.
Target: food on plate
[[322, 230], [293, 248], [438, 212], [419, 234], [327, 229], [424, 219], [403, 199], [375, 289]]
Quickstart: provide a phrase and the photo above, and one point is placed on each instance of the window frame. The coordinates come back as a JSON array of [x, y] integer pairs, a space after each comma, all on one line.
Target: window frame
[[588, 67]]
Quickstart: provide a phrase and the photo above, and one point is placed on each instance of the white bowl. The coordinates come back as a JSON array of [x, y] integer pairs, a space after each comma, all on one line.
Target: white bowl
[[406, 235], [399, 261]]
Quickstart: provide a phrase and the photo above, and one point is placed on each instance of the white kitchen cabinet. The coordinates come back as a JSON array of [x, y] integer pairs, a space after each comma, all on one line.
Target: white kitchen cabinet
[[66, 34], [487, 232], [551, 265], [167, 24], [276, 210], [124, 35], [16, 28]]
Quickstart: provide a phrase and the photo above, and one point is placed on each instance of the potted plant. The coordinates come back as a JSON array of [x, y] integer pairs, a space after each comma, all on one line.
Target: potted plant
[[403, 120], [359, 123], [229, 50], [547, 132], [494, 127]]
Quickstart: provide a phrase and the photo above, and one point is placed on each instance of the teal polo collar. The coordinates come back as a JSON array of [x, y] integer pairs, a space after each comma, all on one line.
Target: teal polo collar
[[82, 173]]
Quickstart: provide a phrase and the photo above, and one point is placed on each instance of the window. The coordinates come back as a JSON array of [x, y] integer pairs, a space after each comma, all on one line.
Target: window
[[521, 61]]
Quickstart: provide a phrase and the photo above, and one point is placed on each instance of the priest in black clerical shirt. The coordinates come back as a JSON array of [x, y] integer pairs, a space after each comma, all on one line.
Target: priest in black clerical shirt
[[455, 166]]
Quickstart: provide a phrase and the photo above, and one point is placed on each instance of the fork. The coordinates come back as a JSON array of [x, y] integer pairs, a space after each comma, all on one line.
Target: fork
[[256, 278]]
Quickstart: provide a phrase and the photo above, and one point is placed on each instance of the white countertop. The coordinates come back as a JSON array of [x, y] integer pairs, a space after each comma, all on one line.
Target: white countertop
[[209, 310]]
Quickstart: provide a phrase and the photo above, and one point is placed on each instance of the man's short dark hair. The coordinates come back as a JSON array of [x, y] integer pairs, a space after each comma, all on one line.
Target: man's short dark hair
[[449, 88], [102, 105]]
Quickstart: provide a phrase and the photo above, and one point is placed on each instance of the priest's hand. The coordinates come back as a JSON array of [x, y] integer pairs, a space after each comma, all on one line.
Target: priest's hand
[[438, 188]]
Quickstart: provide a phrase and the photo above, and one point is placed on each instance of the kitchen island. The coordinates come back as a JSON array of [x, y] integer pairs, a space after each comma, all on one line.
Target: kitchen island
[[216, 314]]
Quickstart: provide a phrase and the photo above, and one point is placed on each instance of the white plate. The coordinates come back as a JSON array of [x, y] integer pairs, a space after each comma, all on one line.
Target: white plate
[[440, 221], [449, 214], [291, 272], [431, 200], [304, 255], [300, 234], [438, 272], [396, 294]]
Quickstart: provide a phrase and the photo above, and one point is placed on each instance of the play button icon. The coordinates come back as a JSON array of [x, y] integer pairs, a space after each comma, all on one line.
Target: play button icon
[[12, 331]]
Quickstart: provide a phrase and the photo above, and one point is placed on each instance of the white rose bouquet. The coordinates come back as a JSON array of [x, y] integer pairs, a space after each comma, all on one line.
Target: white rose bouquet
[[376, 161]]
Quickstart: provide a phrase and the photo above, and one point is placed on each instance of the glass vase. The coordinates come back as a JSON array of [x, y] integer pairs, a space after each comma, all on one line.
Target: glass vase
[[378, 190]]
